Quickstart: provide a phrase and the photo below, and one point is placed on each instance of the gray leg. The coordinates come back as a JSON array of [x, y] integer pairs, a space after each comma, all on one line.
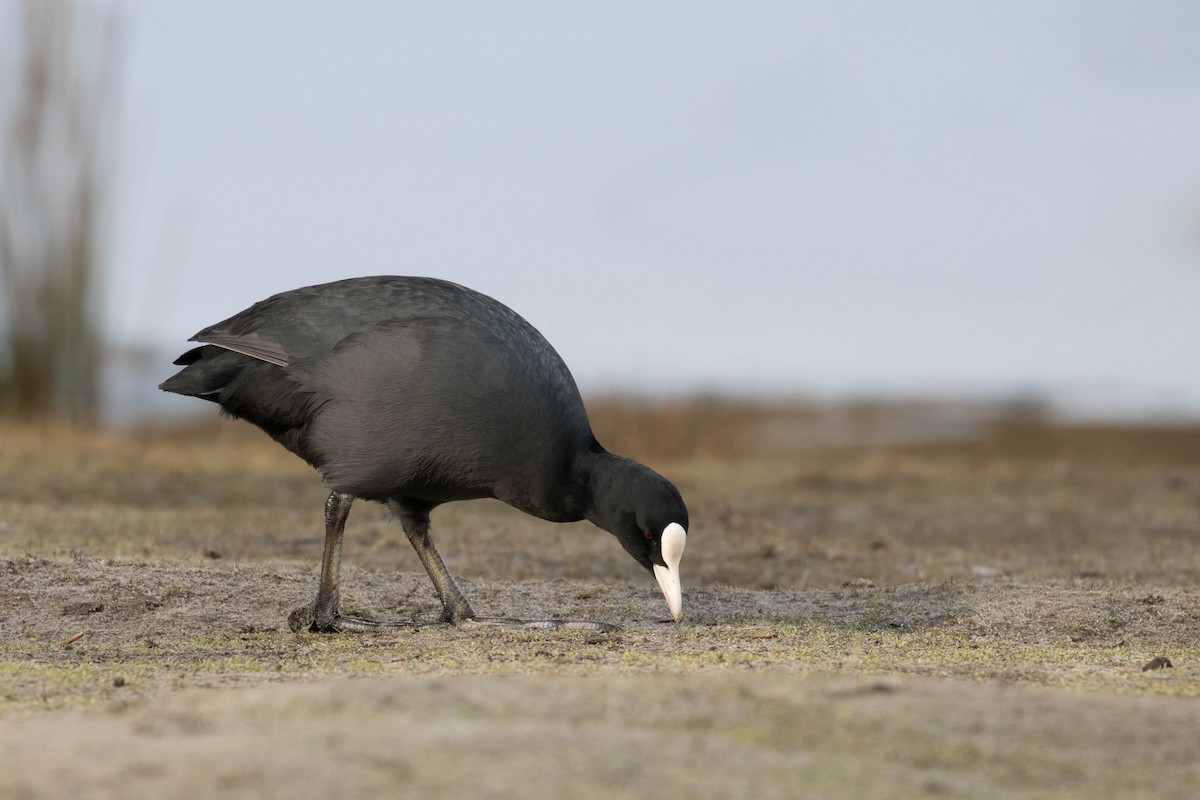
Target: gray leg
[[455, 608], [415, 521], [323, 614], [337, 509]]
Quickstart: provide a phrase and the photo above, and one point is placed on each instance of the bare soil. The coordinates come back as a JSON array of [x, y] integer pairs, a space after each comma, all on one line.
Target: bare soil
[[984, 613]]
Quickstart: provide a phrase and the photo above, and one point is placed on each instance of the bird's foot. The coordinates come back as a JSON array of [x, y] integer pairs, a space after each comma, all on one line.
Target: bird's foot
[[309, 619], [306, 618], [542, 624]]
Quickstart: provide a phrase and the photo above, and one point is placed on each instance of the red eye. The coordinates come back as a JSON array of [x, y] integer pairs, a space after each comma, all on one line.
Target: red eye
[[647, 535]]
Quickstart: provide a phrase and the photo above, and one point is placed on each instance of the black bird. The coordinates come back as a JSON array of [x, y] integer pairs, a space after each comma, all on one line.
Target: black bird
[[415, 392]]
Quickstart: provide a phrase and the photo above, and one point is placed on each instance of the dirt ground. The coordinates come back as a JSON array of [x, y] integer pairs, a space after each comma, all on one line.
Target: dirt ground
[[878, 602]]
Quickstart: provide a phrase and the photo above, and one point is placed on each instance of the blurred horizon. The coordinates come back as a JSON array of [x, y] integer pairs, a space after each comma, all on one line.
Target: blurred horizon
[[940, 201]]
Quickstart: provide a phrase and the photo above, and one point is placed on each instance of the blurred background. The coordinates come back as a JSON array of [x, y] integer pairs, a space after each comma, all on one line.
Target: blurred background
[[929, 204]]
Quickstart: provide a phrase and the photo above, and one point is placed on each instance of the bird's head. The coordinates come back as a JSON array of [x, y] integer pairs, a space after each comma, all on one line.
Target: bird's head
[[647, 515], [660, 551]]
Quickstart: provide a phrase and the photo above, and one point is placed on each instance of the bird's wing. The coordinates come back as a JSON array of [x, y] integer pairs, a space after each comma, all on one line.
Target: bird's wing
[[283, 328], [314, 321], [250, 344]]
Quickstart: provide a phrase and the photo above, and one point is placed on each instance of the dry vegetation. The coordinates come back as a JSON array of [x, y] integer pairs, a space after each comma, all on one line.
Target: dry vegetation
[[879, 601]]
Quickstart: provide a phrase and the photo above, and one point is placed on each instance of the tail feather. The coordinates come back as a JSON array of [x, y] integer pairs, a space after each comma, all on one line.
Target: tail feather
[[190, 357], [206, 371], [274, 398]]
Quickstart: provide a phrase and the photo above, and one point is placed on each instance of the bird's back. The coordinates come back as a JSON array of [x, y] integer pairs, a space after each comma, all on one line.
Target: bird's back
[[395, 386]]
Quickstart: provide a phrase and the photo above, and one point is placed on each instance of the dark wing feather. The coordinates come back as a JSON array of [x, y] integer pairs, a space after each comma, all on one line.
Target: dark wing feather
[[250, 344]]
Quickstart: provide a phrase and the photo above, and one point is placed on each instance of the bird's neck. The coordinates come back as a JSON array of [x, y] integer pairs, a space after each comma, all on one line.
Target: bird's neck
[[611, 479]]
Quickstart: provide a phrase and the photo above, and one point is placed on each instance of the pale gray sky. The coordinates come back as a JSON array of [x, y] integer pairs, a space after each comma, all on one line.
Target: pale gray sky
[[824, 197]]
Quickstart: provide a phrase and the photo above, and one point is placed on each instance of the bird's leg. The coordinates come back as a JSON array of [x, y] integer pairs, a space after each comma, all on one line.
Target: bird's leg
[[415, 522], [323, 614], [455, 608], [337, 509]]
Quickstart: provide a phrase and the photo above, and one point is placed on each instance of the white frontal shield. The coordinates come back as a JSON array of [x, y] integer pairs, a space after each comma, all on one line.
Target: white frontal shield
[[674, 538]]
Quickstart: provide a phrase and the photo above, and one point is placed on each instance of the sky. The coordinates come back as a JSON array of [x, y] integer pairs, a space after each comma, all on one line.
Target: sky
[[836, 199]]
